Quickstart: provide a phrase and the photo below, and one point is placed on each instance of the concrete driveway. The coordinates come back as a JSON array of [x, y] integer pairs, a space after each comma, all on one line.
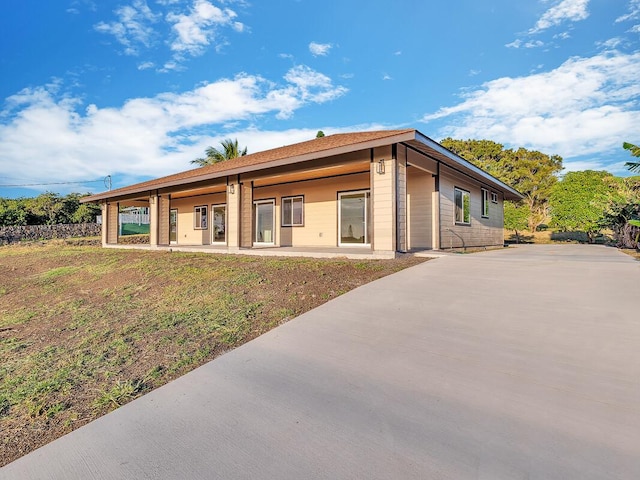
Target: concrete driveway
[[522, 363]]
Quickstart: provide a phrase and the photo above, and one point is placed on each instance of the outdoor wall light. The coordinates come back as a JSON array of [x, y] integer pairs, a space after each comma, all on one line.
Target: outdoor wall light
[[380, 167], [232, 189]]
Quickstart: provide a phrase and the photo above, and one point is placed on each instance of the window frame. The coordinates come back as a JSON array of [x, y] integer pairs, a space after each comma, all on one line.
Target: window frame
[[266, 201], [213, 230], [197, 215], [463, 193], [291, 199], [484, 195], [494, 197]]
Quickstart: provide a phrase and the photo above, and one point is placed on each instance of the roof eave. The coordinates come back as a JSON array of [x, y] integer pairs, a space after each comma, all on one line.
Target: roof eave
[[509, 192], [402, 137]]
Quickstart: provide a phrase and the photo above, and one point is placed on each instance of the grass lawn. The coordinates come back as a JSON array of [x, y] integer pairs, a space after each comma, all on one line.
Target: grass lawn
[[84, 330]]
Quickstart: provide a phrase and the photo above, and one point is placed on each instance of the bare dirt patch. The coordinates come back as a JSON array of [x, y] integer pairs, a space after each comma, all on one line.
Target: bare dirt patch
[[84, 330]]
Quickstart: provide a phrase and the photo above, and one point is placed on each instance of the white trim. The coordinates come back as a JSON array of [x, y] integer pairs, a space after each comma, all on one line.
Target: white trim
[[205, 216], [484, 203], [367, 240], [271, 202], [455, 207]]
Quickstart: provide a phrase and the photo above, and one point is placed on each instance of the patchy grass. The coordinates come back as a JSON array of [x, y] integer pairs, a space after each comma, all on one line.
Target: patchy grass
[[632, 253], [552, 236], [84, 330]]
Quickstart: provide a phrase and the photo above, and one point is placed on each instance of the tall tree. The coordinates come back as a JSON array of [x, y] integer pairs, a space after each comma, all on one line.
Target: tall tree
[[230, 149], [516, 216], [579, 202], [320, 134], [623, 211], [530, 172], [635, 152]]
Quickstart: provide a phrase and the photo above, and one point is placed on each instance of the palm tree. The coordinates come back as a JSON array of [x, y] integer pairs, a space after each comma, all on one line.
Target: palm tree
[[635, 151], [230, 149]]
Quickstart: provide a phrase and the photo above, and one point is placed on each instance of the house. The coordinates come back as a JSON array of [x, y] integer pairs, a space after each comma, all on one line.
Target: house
[[379, 192]]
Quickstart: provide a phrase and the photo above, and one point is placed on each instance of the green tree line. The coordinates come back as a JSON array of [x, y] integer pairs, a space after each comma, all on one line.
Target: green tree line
[[46, 209], [586, 201]]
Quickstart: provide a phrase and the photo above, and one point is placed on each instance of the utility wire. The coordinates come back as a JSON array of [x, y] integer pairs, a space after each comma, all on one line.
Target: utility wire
[[51, 183]]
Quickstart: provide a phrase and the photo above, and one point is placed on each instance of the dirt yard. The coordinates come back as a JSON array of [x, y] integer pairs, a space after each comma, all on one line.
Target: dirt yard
[[84, 330]]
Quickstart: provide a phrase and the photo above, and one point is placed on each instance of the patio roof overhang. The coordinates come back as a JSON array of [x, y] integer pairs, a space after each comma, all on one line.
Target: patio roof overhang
[[277, 160]]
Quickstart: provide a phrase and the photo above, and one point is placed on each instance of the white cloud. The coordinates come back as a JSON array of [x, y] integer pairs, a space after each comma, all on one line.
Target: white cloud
[[194, 31], [319, 49], [533, 44], [146, 65], [565, 10], [145, 136], [610, 44], [517, 43], [133, 27], [585, 106], [634, 12], [562, 36], [386, 76]]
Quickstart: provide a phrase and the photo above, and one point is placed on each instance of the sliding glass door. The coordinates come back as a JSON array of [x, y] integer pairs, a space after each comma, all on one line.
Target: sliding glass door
[[265, 222], [354, 213]]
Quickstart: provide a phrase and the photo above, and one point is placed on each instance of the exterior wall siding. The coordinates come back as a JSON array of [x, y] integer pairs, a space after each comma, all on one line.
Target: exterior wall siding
[[420, 187], [105, 222], [401, 204], [383, 196], [482, 231], [187, 234], [112, 223], [233, 216], [163, 219], [320, 208], [246, 214]]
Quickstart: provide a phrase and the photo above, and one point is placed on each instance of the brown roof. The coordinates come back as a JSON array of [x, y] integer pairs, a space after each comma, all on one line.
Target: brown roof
[[311, 149]]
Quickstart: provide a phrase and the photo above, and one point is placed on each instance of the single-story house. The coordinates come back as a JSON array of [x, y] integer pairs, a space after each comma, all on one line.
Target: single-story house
[[383, 192]]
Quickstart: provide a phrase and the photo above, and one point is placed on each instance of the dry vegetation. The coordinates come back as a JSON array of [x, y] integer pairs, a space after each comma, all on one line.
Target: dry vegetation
[[84, 330]]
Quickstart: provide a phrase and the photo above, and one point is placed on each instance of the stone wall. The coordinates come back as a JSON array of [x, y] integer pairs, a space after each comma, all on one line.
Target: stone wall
[[46, 232]]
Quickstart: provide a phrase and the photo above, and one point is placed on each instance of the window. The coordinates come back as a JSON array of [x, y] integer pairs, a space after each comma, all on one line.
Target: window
[[353, 218], [292, 211], [485, 203], [494, 197], [463, 207], [200, 218]]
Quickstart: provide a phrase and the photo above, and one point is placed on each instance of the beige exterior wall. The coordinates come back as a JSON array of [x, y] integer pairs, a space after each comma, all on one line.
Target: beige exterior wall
[[383, 196], [187, 234], [112, 223], [233, 215], [420, 188], [482, 231], [153, 220], [320, 208], [104, 211]]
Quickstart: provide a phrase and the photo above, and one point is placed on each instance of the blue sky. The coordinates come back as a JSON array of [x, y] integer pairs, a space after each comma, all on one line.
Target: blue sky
[[135, 89]]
